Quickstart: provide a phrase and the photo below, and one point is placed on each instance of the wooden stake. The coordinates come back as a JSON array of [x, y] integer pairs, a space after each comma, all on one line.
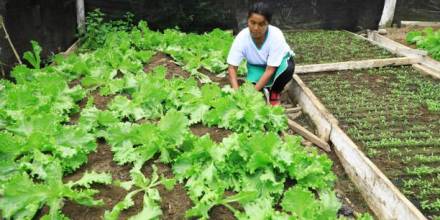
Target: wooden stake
[[9, 40], [308, 135], [72, 48], [293, 110], [294, 116]]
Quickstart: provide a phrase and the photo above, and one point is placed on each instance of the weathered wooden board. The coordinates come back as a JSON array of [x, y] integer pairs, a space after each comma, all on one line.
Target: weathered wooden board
[[352, 65], [72, 48], [403, 50], [297, 128], [298, 91], [420, 23]]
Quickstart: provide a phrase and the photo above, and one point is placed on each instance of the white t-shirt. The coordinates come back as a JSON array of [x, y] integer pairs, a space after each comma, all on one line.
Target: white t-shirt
[[271, 53]]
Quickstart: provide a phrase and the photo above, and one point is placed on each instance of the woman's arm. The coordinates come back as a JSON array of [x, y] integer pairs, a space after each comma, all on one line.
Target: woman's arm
[[270, 70], [232, 71]]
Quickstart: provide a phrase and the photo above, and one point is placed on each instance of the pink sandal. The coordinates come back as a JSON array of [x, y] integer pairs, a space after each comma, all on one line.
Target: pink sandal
[[275, 98]]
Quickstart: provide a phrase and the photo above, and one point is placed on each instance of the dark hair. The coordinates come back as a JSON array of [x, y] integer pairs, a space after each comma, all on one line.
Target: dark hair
[[262, 9]]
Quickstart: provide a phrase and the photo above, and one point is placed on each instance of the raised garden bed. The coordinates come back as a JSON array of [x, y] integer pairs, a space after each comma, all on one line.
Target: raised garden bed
[[319, 46], [146, 125], [393, 114]]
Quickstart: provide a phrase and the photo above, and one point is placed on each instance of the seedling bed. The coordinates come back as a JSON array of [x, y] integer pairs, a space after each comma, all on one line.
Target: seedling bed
[[319, 46], [393, 114]]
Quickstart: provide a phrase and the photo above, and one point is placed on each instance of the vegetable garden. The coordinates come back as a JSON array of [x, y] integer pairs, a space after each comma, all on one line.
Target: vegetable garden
[[118, 131], [142, 124]]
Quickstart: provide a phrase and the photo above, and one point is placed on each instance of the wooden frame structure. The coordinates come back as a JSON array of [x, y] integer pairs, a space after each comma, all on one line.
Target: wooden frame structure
[[386, 201]]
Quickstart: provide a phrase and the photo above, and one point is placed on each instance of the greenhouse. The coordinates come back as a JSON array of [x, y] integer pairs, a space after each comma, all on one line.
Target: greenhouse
[[220, 109]]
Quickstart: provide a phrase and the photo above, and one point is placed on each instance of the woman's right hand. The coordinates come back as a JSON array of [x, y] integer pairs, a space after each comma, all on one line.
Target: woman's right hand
[[232, 72]]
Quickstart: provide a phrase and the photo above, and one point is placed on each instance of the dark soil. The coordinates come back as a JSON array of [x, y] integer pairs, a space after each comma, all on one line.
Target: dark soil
[[174, 203], [161, 59], [100, 101], [221, 81], [216, 134]]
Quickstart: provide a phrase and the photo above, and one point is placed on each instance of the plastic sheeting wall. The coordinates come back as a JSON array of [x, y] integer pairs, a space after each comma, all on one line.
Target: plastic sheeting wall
[[50, 22], [417, 10], [202, 15], [53, 22]]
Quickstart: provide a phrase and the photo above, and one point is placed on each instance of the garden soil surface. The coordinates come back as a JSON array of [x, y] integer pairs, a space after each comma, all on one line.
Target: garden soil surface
[[174, 203]]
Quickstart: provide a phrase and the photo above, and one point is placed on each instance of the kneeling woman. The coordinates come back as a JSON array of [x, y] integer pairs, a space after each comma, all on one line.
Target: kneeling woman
[[269, 58]]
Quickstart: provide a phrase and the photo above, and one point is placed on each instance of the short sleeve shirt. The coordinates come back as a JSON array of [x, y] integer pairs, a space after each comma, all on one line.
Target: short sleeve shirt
[[271, 53]]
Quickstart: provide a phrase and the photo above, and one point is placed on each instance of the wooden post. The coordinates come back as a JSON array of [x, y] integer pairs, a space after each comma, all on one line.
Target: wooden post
[[80, 16], [297, 128], [387, 13]]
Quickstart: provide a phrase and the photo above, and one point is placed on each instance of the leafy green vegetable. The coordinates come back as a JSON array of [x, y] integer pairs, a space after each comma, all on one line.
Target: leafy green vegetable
[[34, 57], [151, 207], [149, 115], [428, 39], [22, 197], [258, 163], [302, 204], [133, 143]]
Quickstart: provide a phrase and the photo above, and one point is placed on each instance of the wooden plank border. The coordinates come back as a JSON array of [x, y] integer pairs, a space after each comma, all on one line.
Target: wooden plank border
[[430, 66], [297, 128], [427, 71], [393, 46], [72, 48], [386, 201], [352, 65], [420, 23], [298, 91]]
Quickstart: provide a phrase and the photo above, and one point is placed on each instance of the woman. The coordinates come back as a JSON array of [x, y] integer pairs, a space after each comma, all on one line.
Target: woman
[[269, 58]]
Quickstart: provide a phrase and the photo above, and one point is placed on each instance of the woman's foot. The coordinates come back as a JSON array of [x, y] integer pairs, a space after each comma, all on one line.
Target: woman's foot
[[275, 98]]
